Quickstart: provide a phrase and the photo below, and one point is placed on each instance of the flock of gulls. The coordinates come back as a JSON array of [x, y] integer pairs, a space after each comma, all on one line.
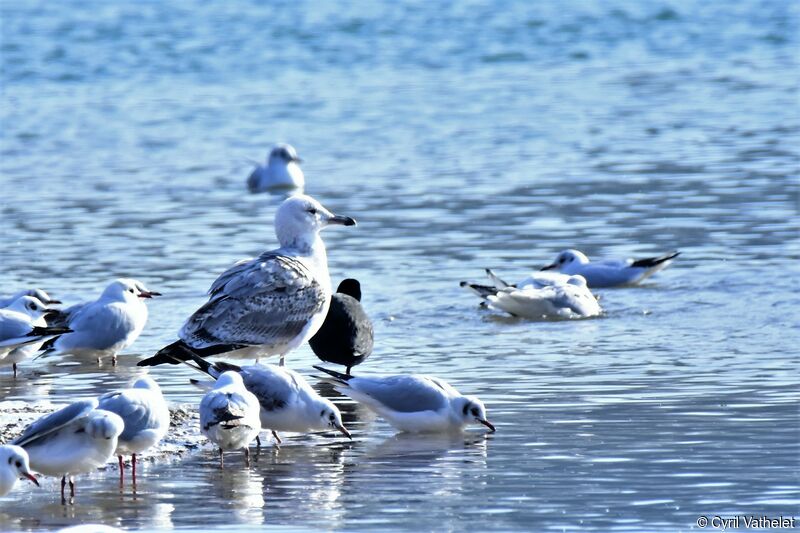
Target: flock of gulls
[[260, 307]]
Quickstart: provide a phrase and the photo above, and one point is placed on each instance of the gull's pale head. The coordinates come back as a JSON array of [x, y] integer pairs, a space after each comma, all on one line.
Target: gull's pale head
[[29, 305], [15, 459], [473, 411], [39, 294], [567, 261], [104, 425], [229, 378], [301, 217], [283, 154], [127, 290], [577, 280], [331, 417], [146, 382]]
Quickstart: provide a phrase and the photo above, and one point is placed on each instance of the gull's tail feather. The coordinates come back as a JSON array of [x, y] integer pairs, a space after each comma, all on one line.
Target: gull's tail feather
[[202, 385], [498, 283], [339, 378], [484, 291], [173, 354], [43, 331], [651, 262]]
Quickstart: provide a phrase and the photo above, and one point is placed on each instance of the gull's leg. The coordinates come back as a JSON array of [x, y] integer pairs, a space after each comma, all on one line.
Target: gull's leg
[[121, 470], [114, 360], [276, 437], [133, 466], [283, 360], [63, 484], [258, 442], [348, 370], [71, 488], [14, 366], [247, 457], [221, 460]]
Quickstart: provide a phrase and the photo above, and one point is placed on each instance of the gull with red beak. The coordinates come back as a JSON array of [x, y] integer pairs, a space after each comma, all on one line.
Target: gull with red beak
[[106, 326], [14, 464], [269, 305], [412, 402]]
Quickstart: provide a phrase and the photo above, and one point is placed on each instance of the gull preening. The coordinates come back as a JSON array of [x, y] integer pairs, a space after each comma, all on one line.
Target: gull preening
[[346, 336], [23, 330], [39, 294], [14, 464], [281, 170], [539, 297], [106, 326], [412, 402], [268, 305], [287, 401], [609, 272], [146, 416], [229, 415], [76, 439]]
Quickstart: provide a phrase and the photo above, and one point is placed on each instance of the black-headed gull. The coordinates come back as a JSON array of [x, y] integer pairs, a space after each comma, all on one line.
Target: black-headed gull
[[39, 294], [23, 330], [609, 272], [76, 439], [146, 416], [282, 170], [287, 401], [268, 305], [539, 297], [412, 402], [229, 415], [346, 336], [14, 464], [106, 326]]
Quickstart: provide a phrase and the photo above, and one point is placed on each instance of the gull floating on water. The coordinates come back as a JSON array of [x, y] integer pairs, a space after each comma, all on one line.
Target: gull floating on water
[[539, 297], [76, 439], [229, 415], [282, 170], [268, 305], [39, 294], [14, 464], [411, 402], [23, 330], [609, 272], [288, 402], [346, 336], [146, 416], [106, 326]]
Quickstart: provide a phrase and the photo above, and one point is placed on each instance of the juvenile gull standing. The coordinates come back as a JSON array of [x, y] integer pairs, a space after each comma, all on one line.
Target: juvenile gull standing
[[14, 464], [76, 439], [146, 417], [268, 305], [346, 337], [282, 170], [609, 272], [106, 326], [229, 415], [412, 402], [23, 329]]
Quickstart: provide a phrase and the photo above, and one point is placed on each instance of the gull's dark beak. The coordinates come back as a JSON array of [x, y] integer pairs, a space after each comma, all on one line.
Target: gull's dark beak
[[344, 432], [487, 424], [297, 160], [33, 479], [50, 313], [148, 294], [53, 302], [549, 267], [342, 220]]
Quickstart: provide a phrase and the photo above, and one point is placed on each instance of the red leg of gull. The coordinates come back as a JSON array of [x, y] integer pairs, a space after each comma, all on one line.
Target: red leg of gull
[[121, 470], [133, 466]]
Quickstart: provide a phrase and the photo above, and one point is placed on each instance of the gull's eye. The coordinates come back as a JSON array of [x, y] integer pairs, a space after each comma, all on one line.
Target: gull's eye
[[32, 306], [130, 291], [10, 459], [312, 210], [19, 464], [322, 413], [332, 417], [474, 411]]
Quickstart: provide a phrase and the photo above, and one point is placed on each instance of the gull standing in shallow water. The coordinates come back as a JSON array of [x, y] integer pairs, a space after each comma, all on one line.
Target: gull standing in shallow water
[[539, 297], [229, 416], [282, 170], [609, 272], [146, 417], [411, 402], [23, 330], [268, 305], [76, 439], [106, 326], [14, 464], [346, 337]]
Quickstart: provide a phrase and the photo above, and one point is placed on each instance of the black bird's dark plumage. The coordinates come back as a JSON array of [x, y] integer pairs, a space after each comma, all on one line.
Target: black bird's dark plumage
[[346, 337], [650, 262]]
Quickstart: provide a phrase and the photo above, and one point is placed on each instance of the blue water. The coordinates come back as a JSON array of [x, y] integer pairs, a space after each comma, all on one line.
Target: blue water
[[461, 137]]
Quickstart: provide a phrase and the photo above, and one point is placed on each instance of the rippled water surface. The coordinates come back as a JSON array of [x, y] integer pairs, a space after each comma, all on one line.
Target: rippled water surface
[[460, 137]]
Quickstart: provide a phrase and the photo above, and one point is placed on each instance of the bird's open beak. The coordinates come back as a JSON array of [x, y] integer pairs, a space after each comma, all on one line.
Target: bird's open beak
[[342, 220], [549, 267], [33, 479], [148, 294], [344, 432], [487, 424]]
